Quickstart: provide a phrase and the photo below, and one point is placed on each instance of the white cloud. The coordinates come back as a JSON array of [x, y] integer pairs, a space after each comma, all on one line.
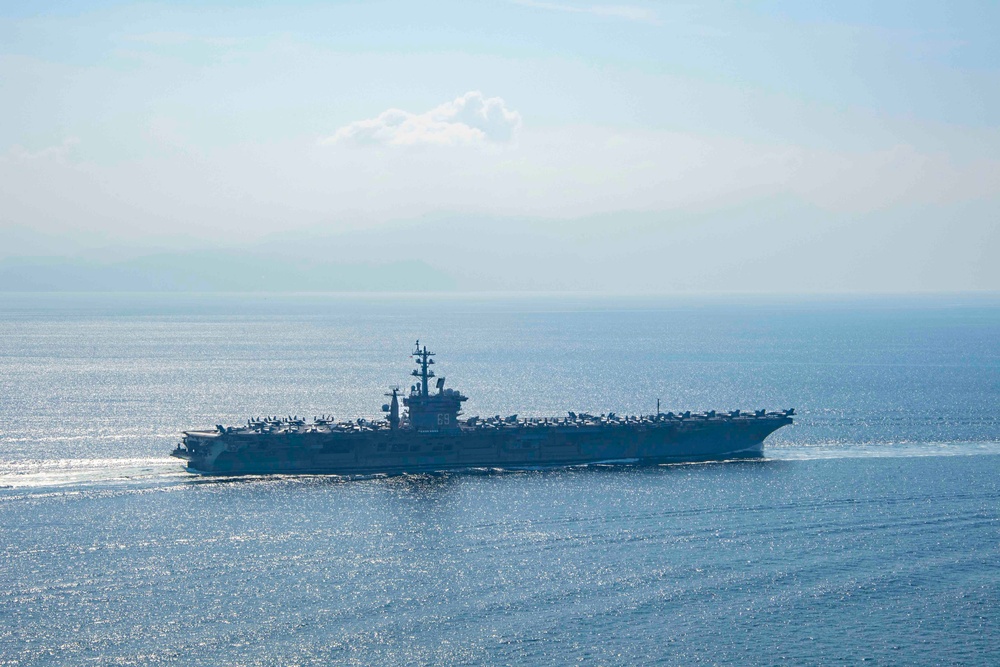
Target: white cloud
[[59, 153], [628, 12], [467, 120]]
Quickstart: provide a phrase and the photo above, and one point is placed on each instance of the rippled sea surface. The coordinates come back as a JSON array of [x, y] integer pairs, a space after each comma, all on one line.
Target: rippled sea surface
[[870, 533]]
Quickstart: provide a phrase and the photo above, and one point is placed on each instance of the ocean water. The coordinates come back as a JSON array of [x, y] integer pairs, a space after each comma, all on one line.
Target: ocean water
[[869, 534]]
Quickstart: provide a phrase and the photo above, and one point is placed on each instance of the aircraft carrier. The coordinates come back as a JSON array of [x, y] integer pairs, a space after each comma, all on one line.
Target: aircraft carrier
[[430, 435]]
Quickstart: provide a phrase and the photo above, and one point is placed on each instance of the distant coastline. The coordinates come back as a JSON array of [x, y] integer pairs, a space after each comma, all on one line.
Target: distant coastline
[[218, 272]]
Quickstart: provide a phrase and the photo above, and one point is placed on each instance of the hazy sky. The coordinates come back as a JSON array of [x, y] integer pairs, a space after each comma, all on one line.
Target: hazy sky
[[773, 146]]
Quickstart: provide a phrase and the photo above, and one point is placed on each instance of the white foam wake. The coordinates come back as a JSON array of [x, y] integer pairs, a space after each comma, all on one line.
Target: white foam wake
[[879, 450], [83, 473], [87, 472]]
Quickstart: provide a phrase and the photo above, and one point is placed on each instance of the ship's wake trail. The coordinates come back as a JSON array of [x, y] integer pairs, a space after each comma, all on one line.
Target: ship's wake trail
[[851, 450], [63, 473]]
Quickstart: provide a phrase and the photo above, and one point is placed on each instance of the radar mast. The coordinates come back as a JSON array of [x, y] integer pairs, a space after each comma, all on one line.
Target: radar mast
[[423, 359]]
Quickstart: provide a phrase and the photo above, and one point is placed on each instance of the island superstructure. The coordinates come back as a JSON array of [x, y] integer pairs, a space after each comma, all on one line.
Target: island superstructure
[[430, 435]]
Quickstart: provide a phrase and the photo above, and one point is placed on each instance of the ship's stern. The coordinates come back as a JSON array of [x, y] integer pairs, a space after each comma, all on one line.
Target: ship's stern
[[201, 449]]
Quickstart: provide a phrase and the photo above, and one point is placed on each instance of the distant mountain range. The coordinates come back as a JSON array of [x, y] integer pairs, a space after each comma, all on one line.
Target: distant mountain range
[[223, 271], [772, 246]]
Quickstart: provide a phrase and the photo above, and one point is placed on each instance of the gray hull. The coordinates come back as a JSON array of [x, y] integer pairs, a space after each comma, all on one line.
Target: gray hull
[[396, 451]]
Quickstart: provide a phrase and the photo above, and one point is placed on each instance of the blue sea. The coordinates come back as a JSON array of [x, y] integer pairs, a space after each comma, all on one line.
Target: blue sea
[[870, 533]]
